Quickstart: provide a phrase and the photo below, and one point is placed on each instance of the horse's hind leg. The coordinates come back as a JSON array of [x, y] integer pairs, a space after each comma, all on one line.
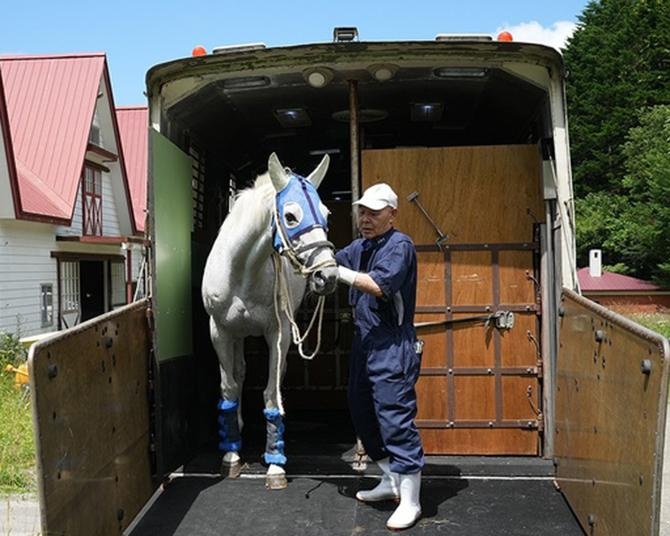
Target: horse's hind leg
[[229, 406]]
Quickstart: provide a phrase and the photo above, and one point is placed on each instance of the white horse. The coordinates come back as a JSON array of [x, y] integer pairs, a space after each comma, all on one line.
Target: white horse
[[281, 213]]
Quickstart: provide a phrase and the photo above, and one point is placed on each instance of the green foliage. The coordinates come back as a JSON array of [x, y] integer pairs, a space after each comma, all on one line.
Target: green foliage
[[12, 351], [17, 448], [658, 322], [618, 61]]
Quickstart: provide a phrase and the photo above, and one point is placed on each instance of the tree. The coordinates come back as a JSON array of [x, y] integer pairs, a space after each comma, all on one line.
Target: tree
[[633, 227], [618, 61]]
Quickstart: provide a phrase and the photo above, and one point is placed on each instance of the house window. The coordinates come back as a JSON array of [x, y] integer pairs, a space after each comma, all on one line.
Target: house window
[[118, 283], [92, 201], [69, 293], [46, 304], [198, 186]]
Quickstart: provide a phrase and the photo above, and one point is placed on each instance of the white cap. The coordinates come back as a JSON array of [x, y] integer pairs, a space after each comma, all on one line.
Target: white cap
[[378, 196]]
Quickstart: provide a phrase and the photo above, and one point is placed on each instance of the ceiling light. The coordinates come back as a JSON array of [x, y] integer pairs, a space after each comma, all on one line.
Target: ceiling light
[[293, 117], [365, 115], [246, 82], [461, 72], [318, 76], [383, 71], [321, 152], [426, 111]]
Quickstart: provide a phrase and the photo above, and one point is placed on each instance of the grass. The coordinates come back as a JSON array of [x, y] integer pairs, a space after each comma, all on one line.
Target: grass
[[659, 322], [17, 447]]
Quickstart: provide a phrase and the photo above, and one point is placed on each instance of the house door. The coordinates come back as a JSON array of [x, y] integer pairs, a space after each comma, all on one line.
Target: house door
[[92, 288], [479, 391]]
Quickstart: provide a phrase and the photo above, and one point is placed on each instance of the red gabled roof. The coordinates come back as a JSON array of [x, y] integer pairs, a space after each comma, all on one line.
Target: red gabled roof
[[50, 104], [611, 282], [133, 122]]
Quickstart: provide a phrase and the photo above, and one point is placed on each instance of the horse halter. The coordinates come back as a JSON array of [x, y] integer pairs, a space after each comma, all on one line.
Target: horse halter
[[296, 212]]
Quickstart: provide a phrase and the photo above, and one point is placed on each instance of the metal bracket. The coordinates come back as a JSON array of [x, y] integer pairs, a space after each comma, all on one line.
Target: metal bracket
[[441, 237]]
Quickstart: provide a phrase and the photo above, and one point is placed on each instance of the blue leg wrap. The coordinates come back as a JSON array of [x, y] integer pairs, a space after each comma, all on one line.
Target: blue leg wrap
[[229, 429], [274, 444]]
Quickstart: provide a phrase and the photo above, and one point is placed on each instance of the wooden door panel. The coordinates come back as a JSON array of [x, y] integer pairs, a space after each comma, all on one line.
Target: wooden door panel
[[479, 388], [430, 288], [471, 275]]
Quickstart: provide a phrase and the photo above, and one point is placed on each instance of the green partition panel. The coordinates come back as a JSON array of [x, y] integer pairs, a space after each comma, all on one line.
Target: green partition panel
[[171, 217]]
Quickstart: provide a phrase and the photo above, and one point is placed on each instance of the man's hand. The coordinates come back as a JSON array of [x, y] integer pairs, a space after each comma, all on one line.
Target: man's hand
[[346, 276]]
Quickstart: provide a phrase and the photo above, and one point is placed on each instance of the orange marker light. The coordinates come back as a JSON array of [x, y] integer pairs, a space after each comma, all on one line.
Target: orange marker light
[[505, 36], [199, 51]]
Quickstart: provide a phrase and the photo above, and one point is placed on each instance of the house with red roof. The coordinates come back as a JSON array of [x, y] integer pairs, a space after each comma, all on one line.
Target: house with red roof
[[620, 292], [67, 219]]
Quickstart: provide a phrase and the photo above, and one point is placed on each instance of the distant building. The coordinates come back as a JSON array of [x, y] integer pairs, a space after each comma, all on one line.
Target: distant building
[[67, 220], [619, 292]]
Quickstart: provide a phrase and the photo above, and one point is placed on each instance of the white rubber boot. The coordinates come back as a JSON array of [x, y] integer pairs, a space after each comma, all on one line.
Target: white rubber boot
[[409, 510], [386, 490]]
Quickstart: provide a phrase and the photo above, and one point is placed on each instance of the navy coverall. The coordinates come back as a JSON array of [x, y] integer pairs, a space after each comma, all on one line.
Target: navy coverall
[[384, 364]]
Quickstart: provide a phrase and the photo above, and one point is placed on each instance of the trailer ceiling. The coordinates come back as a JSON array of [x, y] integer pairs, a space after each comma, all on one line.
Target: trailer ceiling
[[497, 108]]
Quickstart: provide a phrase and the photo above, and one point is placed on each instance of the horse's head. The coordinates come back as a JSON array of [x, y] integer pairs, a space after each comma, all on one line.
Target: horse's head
[[301, 224]]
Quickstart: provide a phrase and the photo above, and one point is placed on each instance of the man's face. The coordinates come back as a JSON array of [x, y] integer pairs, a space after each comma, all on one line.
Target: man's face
[[373, 223]]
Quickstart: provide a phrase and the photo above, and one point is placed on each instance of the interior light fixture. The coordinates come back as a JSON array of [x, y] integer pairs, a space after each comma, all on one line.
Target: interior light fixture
[[461, 72], [426, 111], [293, 117], [321, 152], [383, 72], [318, 77], [246, 82]]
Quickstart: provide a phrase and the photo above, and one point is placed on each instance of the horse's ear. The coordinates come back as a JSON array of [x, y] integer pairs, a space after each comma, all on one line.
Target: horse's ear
[[316, 176], [277, 173]]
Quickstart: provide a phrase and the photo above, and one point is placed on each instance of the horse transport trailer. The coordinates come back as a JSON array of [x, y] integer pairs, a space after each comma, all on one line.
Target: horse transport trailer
[[472, 134]]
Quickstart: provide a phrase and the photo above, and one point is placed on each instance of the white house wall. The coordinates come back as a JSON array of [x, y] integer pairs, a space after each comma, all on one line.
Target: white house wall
[[106, 117], [6, 200], [25, 264]]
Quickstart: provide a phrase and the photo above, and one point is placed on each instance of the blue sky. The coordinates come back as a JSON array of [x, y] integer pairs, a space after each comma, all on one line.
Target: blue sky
[[137, 35]]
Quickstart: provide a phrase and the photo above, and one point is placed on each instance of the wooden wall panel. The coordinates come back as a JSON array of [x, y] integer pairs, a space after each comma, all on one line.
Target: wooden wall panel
[[475, 441], [471, 278], [473, 344], [485, 199], [516, 348], [432, 397], [476, 194], [430, 278], [475, 398], [435, 340], [516, 283], [520, 397]]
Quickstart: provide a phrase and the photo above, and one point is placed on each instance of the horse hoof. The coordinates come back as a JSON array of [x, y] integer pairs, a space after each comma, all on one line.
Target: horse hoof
[[231, 470], [275, 482]]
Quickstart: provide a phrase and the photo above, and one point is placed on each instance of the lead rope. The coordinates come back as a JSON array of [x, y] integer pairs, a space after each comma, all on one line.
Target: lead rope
[[282, 302]]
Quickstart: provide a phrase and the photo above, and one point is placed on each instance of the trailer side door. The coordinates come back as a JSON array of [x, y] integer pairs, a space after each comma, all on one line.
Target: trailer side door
[[90, 394], [611, 402]]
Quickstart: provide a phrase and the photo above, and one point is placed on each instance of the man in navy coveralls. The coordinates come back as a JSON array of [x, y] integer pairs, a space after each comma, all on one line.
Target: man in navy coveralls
[[380, 268]]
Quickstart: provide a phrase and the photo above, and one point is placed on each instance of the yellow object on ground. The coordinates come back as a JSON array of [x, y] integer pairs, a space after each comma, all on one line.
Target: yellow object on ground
[[21, 377]]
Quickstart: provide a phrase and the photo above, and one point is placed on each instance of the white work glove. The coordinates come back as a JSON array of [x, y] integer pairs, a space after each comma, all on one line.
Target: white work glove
[[346, 276]]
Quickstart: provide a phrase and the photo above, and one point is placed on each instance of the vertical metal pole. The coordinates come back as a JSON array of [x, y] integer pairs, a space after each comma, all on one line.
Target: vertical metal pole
[[354, 149]]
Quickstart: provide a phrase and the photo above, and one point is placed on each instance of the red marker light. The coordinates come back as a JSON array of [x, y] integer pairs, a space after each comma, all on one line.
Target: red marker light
[[505, 36], [199, 51]]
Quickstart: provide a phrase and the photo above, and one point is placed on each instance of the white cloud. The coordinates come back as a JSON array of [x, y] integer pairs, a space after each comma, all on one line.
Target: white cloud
[[533, 32]]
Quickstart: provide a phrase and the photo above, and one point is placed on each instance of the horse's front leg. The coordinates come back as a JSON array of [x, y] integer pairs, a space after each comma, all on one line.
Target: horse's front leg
[[230, 411], [274, 454]]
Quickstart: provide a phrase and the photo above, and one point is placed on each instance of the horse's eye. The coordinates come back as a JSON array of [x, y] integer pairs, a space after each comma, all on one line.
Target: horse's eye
[[292, 215]]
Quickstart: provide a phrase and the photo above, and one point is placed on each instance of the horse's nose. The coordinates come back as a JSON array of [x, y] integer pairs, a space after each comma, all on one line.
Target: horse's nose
[[324, 280]]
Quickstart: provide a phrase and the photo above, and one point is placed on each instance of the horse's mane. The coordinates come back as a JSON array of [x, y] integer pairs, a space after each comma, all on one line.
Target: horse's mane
[[251, 208]]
